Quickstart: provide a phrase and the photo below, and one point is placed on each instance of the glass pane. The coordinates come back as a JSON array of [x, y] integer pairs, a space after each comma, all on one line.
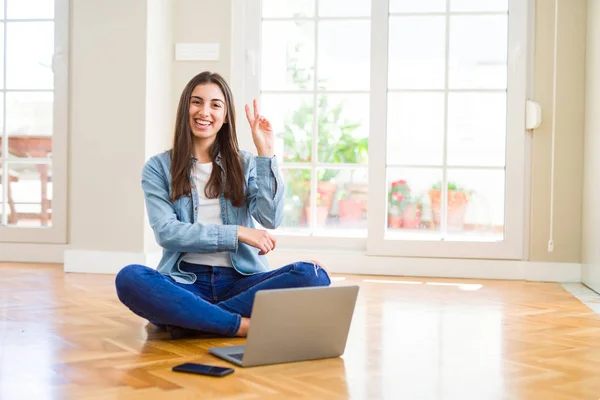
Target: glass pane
[[344, 64], [1, 54], [343, 128], [1, 123], [478, 5], [29, 50], [475, 204], [417, 53], [29, 113], [348, 206], [327, 187], [3, 207], [288, 8], [297, 199], [29, 9], [1, 8], [478, 52], [411, 206], [288, 55], [414, 6], [344, 8], [292, 118], [476, 129], [415, 134], [29, 195]]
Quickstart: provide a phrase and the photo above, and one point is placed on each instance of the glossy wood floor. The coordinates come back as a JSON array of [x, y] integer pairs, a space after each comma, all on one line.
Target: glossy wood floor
[[65, 336]]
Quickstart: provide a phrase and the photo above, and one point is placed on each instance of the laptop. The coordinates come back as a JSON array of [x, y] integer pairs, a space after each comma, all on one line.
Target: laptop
[[298, 324]]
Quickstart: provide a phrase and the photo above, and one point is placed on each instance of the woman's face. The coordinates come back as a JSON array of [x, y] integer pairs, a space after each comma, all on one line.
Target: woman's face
[[207, 111]]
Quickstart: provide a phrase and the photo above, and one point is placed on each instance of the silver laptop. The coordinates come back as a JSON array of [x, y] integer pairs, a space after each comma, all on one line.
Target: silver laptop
[[298, 324]]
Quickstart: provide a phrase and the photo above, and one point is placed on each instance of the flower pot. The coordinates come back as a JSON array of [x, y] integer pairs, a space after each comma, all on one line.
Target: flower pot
[[457, 208], [322, 214], [412, 217], [395, 221], [325, 193], [351, 210]]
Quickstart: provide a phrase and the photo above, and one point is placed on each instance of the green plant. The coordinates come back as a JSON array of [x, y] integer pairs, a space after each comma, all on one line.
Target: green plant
[[336, 142], [398, 197], [451, 186]]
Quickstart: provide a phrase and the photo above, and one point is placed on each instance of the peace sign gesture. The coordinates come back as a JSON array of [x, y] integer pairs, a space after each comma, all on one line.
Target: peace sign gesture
[[262, 131]]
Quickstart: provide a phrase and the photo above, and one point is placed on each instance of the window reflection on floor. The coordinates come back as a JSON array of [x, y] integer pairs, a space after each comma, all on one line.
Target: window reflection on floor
[[450, 344], [26, 365]]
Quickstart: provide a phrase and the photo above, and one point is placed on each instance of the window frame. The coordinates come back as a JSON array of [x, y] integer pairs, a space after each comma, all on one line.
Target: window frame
[[246, 84], [57, 232]]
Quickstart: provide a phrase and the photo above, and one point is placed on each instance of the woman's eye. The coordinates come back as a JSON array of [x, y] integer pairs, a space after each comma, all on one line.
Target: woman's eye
[[217, 105]]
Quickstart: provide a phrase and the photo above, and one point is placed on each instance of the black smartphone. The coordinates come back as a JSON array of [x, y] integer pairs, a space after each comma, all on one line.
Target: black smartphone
[[202, 369]]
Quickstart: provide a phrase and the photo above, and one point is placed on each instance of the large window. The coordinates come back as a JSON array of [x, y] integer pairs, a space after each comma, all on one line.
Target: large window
[[33, 80], [398, 121], [315, 86]]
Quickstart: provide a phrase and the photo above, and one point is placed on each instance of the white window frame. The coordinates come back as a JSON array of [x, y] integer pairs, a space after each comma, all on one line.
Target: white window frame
[[246, 84], [57, 232]]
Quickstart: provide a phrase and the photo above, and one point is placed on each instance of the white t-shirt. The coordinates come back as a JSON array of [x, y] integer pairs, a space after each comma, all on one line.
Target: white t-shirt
[[209, 212]]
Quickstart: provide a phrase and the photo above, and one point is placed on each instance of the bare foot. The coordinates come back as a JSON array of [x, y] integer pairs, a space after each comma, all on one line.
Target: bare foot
[[244, 326]]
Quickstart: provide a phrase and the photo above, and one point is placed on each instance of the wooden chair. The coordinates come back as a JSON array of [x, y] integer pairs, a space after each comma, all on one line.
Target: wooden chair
[[30, 146]]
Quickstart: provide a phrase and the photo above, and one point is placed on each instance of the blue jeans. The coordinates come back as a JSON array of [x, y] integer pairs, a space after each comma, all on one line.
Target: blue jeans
[[215, 303]]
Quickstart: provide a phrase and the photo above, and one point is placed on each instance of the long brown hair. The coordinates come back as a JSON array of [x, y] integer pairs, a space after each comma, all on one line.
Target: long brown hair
[[226, 144]]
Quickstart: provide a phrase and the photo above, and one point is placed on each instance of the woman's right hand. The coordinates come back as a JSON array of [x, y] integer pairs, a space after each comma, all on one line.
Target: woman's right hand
[[258, 238]]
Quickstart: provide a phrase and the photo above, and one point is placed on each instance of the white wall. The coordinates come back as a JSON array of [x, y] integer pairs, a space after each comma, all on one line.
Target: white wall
[[120, 115], [591, 191], [107, 124], [570, 91], [159, 108]]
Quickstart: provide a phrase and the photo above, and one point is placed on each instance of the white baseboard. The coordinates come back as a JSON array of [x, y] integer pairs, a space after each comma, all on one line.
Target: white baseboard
[[359, 263], [105, 262], [32, 253], [343, 262]]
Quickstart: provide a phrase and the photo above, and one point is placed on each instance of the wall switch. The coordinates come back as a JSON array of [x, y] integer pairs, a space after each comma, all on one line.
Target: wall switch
[[196, 51]]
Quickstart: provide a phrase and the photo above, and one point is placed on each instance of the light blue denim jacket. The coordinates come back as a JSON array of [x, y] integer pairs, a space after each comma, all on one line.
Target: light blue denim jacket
[[176, 226]]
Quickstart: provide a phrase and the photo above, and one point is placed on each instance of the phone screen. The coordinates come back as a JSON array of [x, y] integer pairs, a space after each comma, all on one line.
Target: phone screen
[[203, 369]]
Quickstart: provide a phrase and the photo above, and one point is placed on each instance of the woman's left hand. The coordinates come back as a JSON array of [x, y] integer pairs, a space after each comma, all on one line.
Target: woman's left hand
[[262, 132]]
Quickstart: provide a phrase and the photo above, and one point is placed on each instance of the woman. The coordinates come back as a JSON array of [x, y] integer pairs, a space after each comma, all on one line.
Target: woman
[[201, 196]]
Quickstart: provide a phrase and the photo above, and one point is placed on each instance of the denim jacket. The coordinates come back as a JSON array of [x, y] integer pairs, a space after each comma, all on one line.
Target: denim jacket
[[175, 224]]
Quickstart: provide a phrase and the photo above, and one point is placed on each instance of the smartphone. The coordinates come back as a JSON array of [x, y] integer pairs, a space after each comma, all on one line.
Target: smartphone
[[202, 369]]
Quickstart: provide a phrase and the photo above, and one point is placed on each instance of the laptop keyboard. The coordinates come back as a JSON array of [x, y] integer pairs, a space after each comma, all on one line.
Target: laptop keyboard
[[237, 356]]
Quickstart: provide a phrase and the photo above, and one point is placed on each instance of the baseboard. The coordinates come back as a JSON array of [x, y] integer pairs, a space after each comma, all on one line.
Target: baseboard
[[345, 262], [359, 263], [105, 262], [32, 252]]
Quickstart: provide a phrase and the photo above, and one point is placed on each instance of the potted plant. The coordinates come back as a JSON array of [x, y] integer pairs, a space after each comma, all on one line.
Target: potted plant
[[413, 209], [398, 195], [336, 144], [351, 203], [457, 202], [404, 209]]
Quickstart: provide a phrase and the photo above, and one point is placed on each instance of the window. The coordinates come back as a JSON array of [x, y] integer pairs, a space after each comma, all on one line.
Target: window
[[397, 121], [316, 89], [33, 120]]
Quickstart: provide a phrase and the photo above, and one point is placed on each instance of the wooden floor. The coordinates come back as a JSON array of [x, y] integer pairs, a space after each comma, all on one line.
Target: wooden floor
[[65, 336]]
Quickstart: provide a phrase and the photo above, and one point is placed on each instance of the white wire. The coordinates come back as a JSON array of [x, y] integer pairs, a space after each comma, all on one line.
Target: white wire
[[551, 240]]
